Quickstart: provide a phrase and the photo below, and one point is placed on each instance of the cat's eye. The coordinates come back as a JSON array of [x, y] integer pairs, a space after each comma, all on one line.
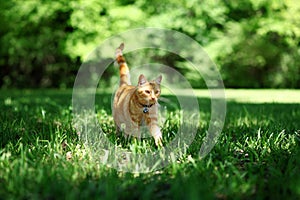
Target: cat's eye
[[147, 91], [157, 91]]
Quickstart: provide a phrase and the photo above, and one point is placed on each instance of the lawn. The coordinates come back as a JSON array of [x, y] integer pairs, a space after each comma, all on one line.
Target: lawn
[[257, 155]]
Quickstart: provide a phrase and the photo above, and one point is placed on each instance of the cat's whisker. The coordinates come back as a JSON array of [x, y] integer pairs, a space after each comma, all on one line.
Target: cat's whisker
[[165, 100]]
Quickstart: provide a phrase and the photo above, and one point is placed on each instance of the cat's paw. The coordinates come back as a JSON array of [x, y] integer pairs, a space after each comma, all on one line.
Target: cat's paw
[[158, 141]]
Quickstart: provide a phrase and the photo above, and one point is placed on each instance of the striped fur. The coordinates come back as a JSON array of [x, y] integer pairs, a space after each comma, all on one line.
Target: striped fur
[[124, 70], [130, 102]]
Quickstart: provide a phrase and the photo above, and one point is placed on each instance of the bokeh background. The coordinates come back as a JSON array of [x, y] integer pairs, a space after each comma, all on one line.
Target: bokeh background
[[255, 43]]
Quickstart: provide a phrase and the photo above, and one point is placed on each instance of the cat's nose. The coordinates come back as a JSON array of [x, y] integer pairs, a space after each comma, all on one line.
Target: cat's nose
[[152, 98]]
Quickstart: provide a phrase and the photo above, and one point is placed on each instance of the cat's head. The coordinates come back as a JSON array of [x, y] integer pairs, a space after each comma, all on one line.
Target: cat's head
[[148, 92]]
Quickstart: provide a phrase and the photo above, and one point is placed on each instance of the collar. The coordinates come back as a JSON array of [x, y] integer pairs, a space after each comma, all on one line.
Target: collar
[[146, 107]]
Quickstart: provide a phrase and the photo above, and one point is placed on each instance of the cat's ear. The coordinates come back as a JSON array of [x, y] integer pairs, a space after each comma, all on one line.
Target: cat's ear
[[158, 79], [142, 80]]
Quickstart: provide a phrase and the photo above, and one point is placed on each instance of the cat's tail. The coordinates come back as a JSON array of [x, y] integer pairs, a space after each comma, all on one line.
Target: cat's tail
[[123, 68]]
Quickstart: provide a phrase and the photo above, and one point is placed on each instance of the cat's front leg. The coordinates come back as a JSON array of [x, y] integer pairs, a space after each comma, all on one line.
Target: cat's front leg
[[156, 134], [158, 140]]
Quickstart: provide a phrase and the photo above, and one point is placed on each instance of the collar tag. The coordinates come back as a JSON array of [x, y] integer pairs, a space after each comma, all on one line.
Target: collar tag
[[145, 110]]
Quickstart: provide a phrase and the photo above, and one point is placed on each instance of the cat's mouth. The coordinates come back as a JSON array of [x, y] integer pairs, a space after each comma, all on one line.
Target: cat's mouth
[[148, 103], [153, 101]]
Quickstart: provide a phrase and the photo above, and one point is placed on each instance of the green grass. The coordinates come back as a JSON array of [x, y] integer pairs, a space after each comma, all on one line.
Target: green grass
[[257, 155]]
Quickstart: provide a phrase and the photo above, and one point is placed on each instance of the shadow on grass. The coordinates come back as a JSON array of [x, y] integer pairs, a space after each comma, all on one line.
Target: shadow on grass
[[38, 113], [257, 154]]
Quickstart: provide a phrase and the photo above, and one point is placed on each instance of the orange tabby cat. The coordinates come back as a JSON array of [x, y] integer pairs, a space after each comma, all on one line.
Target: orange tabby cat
[[136, 105]]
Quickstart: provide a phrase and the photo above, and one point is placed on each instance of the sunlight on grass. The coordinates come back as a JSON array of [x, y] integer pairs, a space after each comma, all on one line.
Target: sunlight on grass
[[257, 95], [260, 141]]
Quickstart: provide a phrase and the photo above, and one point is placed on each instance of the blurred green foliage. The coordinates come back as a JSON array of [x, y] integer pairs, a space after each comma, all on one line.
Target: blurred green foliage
[[255, 43]]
